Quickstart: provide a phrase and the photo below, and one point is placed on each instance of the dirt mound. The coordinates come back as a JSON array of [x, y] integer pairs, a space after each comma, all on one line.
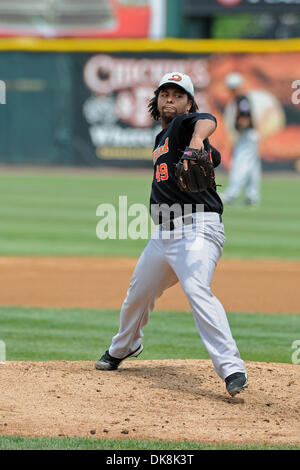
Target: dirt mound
[[267, 286], [155, 400]]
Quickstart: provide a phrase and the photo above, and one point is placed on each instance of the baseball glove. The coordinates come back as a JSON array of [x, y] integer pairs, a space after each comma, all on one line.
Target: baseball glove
[[200, 174]]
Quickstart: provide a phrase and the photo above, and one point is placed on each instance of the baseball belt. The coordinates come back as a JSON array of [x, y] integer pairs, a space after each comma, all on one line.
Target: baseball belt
[[171, 224]]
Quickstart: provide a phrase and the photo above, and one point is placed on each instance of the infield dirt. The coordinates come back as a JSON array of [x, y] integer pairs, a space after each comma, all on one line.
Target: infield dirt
[[172, 400], [266, 286]]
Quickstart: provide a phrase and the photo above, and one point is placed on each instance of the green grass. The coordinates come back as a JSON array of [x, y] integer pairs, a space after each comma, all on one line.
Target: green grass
[[61, 443], [51, 214], [47, 214], [74, 334], [270, 230]]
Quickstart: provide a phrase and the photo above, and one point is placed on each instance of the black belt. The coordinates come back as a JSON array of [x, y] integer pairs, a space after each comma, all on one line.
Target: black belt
[[169, 225]]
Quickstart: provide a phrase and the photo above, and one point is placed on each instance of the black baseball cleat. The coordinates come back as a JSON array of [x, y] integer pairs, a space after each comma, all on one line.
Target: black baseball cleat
[[107, 362], [235, 383]]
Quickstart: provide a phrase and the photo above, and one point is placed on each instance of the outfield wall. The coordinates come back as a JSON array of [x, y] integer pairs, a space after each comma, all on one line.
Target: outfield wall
[[84, 101]]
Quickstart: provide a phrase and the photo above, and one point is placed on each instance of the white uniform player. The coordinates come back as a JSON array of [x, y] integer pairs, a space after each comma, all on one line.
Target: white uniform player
[[187, 244], [245, 171]]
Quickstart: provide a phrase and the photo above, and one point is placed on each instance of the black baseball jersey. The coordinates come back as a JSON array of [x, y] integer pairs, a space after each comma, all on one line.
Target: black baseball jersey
[[169, 146]]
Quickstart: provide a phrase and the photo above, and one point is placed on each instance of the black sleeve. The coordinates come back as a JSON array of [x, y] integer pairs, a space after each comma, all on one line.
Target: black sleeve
[[184, 128], [215, 155], [189, 120]]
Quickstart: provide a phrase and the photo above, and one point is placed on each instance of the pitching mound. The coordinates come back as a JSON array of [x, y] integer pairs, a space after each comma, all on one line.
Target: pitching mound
[[155, 400]]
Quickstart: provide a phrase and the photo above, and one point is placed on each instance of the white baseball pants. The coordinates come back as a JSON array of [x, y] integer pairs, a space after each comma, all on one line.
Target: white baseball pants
[[245, 172], [188, 254]]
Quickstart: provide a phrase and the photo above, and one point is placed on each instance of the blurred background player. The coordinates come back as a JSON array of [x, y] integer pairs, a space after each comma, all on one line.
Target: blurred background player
[[245, 171]]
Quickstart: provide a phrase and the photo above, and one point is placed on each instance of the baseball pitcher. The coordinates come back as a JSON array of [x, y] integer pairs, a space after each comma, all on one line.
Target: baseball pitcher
[[189, 238]]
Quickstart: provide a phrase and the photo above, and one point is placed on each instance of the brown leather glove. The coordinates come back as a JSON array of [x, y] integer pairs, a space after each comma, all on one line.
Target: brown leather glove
[[200, 174]]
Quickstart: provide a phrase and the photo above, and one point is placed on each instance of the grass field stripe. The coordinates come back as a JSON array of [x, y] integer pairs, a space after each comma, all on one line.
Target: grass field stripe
[[75, 334], [8, 442], [64, 222]]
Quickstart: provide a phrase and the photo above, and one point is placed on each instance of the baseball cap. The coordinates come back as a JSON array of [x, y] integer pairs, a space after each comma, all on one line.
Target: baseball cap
[[234, 80], [180, 79]]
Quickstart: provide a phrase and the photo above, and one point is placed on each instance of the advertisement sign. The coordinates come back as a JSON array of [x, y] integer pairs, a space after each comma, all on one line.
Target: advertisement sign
[[223, 7], [97, 103], [76, 18], [113, 123], [119, 89]]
